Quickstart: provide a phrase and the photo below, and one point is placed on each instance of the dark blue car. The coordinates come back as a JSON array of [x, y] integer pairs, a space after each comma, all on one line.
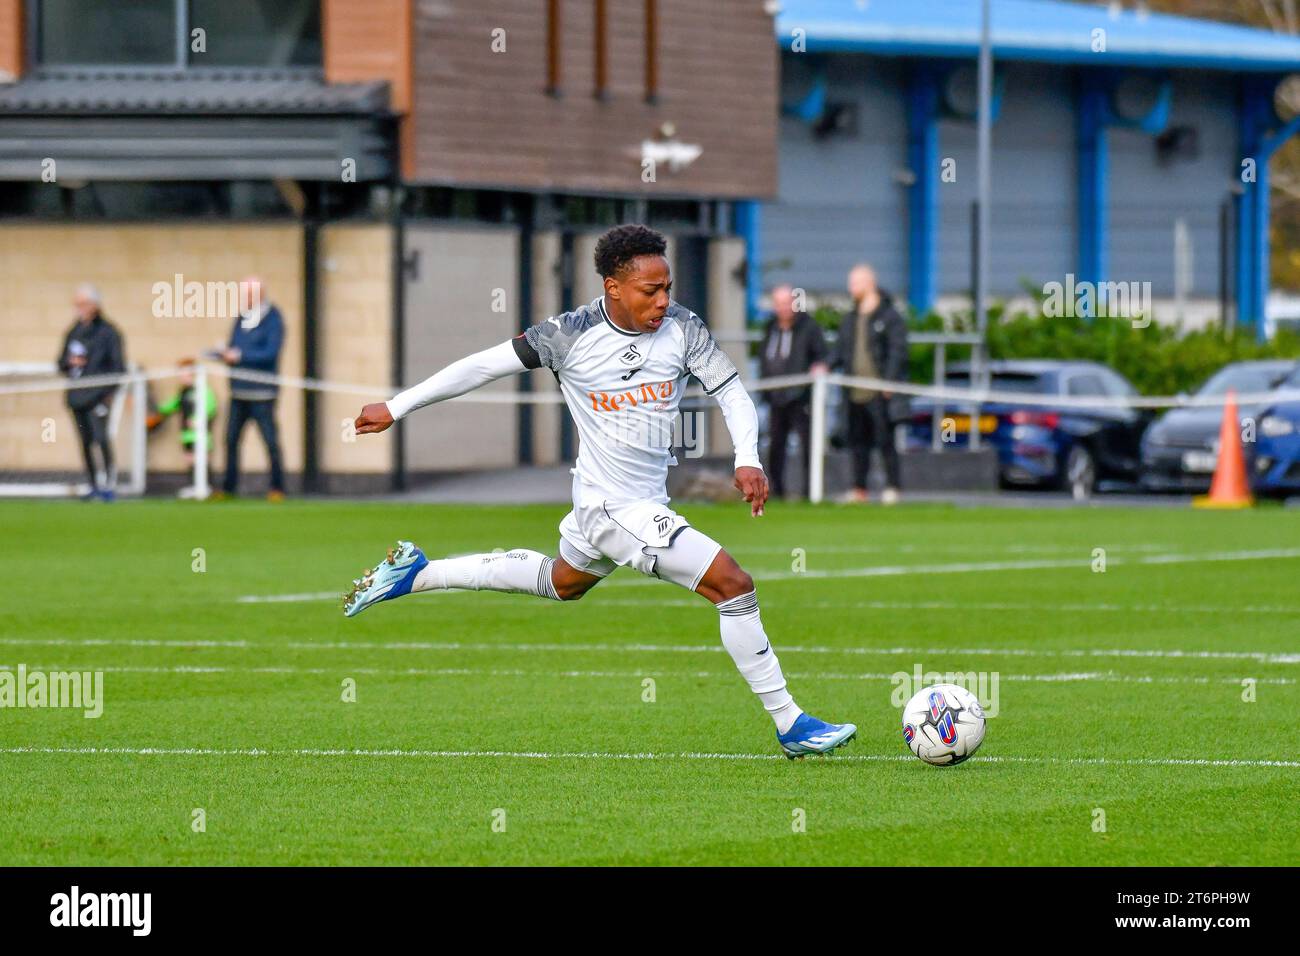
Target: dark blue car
[[1181, 448], [1046, 445], [1275, 469]]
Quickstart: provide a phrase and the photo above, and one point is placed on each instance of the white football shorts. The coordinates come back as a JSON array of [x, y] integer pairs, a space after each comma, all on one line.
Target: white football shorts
[[600, 534]]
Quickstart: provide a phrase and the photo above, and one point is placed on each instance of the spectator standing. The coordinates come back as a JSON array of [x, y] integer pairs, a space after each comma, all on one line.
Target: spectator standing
[[255, 343], [793, 344], [872, 344], [92, 347]]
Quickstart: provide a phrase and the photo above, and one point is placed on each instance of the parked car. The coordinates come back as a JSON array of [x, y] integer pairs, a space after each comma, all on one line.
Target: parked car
[[1181, 448], [1275, 461], [1046, 445]]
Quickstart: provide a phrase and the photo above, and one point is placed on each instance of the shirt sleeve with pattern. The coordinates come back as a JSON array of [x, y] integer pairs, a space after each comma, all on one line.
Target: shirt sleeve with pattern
[[547, 344], [704, 357]]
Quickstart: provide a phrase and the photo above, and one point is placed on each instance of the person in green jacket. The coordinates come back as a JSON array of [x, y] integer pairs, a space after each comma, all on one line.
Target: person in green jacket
[[184, 402]]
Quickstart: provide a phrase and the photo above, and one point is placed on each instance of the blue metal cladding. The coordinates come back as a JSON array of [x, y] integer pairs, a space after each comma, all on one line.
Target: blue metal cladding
[[840, 201], [1033, 227], [1148, 193], [1077, 189]]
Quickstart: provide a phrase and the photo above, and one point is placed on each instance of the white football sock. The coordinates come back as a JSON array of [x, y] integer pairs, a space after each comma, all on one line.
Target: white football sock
[[520, 570], [743, 637]]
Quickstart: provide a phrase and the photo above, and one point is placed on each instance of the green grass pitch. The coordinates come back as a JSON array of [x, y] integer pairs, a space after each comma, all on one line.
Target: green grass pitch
[[1122, 735]]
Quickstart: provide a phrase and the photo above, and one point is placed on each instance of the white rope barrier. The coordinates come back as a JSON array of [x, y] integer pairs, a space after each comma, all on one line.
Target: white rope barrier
[[978, 396], [943, 393], [63, 384]]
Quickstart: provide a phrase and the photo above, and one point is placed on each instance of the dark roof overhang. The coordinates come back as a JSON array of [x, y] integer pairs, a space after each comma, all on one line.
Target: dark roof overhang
[[194, 125]]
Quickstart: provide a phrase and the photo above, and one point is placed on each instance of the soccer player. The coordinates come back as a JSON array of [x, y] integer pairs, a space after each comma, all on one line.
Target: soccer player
[[622, 363]]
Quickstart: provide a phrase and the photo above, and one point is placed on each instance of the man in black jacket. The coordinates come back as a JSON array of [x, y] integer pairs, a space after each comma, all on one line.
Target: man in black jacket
[[872, 344], [793, 344], [92, 347]]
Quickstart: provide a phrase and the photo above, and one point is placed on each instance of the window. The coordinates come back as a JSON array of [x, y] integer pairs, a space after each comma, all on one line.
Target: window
[[1245, 377], [273, 33], [553, 47], [651, 51], [1027, 382], [600, 49], [1085, 384], [599, 56], [96, 33], [161, 33]]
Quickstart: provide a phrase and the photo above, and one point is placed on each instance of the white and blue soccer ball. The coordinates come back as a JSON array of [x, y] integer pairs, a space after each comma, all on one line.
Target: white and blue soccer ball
[[943, 724]]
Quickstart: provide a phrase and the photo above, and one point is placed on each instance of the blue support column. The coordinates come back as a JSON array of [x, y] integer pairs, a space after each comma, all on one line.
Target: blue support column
[[923, 199], [1094, 171], [1258, 142], [1243, 256], [747, 224], [1261, 260], [1252, 230]]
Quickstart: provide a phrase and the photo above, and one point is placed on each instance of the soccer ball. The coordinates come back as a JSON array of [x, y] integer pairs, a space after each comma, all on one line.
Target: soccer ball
[[943, 724]]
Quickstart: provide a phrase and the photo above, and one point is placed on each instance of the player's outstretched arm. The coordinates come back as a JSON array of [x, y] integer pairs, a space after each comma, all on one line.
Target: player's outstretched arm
[[742, 422], [457, 378]]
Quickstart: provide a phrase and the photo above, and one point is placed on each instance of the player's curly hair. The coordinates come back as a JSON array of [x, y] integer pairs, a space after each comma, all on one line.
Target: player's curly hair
[[616, 249]]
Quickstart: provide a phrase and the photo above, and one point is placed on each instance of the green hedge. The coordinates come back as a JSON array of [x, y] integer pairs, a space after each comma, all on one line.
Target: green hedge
[[1156, 359]]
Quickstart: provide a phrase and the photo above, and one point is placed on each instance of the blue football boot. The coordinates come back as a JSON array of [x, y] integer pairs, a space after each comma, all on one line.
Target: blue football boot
[[808, 735], [392, 578]]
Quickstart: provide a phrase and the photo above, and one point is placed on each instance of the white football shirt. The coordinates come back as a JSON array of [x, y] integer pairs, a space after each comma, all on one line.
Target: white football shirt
[[624, 390]]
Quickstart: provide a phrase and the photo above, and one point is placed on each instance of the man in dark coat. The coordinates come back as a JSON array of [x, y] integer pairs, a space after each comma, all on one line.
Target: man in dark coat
[[93, 347], [872, 344], [793, 344], [255, 342]]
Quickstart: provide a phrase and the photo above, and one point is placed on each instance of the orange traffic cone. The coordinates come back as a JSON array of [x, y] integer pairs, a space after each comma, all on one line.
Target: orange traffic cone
[[1229, 488]]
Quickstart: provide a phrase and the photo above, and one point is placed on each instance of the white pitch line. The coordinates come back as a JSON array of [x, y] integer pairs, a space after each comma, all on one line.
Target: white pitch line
[[335, 595], [290, 598], [1259, 657], [999, 606], [344, 670], [898, 570], [599, 755], [964, 567], [952, 548], [115, 642]]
